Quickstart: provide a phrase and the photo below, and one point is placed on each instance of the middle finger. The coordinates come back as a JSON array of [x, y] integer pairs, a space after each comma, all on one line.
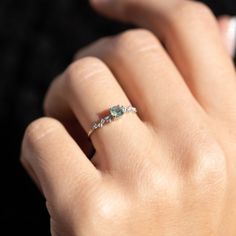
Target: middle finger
[[148, 76]]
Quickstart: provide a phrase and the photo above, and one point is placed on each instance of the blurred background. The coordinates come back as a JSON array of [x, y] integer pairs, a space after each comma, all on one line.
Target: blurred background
[[38, 38]]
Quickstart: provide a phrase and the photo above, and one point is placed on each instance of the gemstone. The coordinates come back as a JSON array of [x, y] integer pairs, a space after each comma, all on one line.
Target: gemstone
[[129, 109], [117, 111], [100, 125]]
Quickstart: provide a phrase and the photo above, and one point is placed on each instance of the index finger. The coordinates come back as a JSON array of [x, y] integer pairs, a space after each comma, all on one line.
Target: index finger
[[191, 36]]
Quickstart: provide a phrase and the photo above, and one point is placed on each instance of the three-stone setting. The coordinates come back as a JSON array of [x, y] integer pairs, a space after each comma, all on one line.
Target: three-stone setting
[[115, 112]]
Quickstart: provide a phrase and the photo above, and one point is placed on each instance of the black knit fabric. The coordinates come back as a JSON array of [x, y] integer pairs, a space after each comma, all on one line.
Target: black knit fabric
[[37, 41]]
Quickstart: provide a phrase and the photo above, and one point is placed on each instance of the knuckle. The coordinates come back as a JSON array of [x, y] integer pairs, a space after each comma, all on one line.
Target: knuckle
[[39, 129], [200, 8], [192, 12], [138, 40], [105, 209], [202, 161], [210, 167], [83, 70]]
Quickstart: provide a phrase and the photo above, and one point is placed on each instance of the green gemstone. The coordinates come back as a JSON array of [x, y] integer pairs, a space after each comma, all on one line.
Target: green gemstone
[[116, 111]]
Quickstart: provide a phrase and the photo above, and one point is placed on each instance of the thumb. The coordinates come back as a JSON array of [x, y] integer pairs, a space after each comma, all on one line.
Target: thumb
[[127, 10]]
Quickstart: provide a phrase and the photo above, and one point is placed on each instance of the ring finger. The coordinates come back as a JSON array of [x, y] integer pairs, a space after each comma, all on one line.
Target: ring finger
[[86, 89]]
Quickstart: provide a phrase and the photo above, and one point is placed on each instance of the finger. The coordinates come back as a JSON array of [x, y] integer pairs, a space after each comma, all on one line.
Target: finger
[[74, 128], [227, 26], [62, 112], [57, 163], [191, 36], [148, 76], [152, 81], [31, 173], [92, 89]]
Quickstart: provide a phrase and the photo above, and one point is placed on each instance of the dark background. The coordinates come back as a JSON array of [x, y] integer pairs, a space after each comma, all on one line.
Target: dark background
[[37, 41]]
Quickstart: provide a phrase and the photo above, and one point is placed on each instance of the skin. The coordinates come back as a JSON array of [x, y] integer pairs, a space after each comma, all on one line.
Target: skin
[[228, 33], [171, 169]]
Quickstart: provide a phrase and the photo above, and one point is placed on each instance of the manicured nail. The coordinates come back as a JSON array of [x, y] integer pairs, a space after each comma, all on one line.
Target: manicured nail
[[231, 35]]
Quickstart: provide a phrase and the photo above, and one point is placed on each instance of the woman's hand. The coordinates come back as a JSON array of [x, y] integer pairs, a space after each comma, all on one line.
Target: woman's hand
[[171, 169]]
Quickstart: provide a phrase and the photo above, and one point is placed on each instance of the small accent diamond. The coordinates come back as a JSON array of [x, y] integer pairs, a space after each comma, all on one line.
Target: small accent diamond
[[108, 119], [129, 109], [95, 125], [100, 125], [103, 121]]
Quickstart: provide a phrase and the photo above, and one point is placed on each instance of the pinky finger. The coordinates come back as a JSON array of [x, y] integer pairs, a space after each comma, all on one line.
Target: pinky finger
[[55, 161]]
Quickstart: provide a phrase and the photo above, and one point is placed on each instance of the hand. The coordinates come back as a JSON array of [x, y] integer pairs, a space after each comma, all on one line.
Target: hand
[[171, 169]]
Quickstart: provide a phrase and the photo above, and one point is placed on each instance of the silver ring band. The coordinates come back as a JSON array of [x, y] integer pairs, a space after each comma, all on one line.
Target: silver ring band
[[115, 112]]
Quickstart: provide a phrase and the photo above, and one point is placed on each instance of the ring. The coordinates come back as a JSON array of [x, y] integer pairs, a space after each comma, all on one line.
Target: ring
[[115, 112]]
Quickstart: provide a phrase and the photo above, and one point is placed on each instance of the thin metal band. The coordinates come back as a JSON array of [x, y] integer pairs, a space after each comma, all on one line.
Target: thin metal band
[[115, 112]]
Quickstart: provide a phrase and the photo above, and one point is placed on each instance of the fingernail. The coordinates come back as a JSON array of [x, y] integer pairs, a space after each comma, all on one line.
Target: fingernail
[[231, 35]]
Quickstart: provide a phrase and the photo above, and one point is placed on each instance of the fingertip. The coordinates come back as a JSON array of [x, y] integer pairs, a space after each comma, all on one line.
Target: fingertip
[[109, 8], [232, 35], [227, 26], [38, 132]]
